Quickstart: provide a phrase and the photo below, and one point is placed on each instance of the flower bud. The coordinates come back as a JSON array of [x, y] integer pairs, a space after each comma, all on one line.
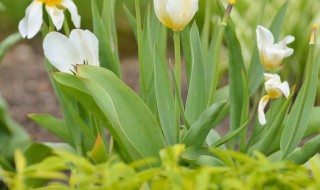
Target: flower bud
[[175, 14]]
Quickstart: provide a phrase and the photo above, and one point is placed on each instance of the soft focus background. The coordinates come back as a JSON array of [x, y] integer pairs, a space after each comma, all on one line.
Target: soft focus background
[[25, 86]]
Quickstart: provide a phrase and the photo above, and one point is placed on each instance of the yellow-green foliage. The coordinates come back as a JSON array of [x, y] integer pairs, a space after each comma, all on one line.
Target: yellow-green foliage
[[68, 171]]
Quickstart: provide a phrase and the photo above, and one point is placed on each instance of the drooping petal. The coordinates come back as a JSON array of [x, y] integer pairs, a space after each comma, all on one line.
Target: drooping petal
[[87, 45], [262, 104], [264, 37], [75, 17], [285, 89], [60, 52], [56, 15], [30, 25]]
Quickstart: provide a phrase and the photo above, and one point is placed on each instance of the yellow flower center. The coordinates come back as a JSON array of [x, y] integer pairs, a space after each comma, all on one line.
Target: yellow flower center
[[273, 93], [51, 2]]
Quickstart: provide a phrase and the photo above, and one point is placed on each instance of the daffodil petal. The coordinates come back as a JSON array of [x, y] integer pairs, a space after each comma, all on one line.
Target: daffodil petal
[[87, 45], [262, 104], [60, 52], [75, 17], [30, 25], [56, 15]]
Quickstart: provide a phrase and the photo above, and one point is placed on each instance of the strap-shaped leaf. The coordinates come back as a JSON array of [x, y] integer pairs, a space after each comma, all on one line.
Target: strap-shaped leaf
[[54, 125], [197, 93], [107, 43], [300, 113], [165, 100], [124, 109]]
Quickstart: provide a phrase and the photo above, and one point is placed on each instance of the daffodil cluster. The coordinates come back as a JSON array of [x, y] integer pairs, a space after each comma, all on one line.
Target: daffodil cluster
[[271, 56]]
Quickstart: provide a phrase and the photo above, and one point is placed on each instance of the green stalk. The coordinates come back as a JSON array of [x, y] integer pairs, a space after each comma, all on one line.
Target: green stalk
[[222, 29], [140, 48], [66, 27], [177, 53]]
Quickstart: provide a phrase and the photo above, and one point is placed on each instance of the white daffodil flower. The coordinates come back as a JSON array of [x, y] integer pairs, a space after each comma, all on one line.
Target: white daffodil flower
[[30, 25], [272, 54], [82, 47], [274, 88], [175, 14]]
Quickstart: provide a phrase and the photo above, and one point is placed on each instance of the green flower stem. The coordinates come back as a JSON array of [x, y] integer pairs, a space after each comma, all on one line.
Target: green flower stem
[[66, 27], [140, 48], [222, 29], [51, 26], [177, 52]]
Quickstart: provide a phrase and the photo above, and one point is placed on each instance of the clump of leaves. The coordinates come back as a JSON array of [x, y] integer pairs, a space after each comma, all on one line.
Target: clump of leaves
[[65, 170]]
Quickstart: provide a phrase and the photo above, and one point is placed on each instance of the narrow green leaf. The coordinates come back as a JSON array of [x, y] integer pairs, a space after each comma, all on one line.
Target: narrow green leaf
[[234, 133], [53, 125], [165, 99], [7, 43], [314, 123], [235, 77], [199, 131], [108, 54], [132, 21], [186, 48], [197, 93], [308, 150], [300, 113]]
